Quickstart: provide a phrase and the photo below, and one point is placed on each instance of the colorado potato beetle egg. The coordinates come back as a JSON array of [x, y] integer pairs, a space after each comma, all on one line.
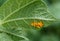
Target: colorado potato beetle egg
[[37, 24]]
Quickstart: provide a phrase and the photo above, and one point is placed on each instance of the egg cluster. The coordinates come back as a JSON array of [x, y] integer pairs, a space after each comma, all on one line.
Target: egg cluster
[[37, 24]]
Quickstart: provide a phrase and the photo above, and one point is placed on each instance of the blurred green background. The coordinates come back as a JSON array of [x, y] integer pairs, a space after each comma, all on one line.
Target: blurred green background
[[2, 1]]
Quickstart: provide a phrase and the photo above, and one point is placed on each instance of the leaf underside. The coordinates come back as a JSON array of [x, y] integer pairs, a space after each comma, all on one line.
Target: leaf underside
[[17, 15]]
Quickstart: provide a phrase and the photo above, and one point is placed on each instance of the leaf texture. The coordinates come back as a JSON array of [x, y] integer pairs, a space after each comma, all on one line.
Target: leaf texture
[[17, 15]]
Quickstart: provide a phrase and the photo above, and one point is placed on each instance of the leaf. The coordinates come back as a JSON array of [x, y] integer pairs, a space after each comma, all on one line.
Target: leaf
[[14, 33], [16, 16], [5, 37], [55, 9]]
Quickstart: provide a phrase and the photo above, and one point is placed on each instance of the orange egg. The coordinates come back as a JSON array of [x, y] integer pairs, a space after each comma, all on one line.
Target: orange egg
[[37, 24], [40, 24]]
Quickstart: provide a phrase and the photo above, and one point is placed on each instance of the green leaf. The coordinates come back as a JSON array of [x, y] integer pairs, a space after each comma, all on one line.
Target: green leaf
[[5, 37], [55, 9], [24, 11], [17, 15]]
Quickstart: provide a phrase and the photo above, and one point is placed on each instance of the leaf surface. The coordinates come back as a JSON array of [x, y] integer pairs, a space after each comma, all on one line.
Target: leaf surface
[[17, 15]]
